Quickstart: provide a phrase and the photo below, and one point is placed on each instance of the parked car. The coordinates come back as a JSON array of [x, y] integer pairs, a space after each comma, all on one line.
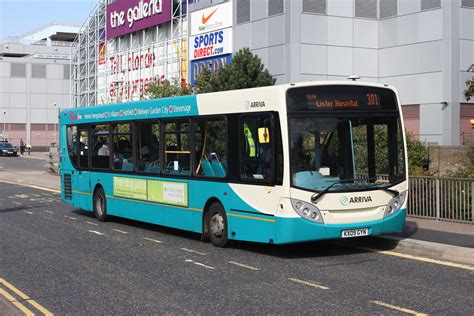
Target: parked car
[[7, 149]]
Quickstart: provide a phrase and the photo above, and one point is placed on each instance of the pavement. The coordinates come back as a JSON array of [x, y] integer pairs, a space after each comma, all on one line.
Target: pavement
[[432, 238]]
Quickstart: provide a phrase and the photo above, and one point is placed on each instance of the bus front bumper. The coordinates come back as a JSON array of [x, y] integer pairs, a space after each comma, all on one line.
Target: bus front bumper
[[291, 230]]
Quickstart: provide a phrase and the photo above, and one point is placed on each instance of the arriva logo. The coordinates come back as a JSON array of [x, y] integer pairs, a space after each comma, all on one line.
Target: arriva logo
[[344, 200]]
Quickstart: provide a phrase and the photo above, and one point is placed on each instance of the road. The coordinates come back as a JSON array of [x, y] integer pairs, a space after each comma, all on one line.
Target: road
[[65, 262]]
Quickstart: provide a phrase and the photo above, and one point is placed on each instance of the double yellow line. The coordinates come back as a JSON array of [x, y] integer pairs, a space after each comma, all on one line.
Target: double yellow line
[[5, 286]]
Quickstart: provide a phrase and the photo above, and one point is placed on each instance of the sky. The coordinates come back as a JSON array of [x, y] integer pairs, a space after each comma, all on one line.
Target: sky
[[21, 16]]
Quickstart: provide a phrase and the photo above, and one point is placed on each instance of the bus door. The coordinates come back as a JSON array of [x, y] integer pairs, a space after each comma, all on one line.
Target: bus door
[[83, 174]]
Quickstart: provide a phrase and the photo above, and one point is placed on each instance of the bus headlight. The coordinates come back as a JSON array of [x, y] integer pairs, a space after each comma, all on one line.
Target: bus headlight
[[395, 204], [307, 211]]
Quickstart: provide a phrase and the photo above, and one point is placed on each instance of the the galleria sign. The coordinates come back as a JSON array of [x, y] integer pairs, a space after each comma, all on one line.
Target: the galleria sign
[[126, 16]]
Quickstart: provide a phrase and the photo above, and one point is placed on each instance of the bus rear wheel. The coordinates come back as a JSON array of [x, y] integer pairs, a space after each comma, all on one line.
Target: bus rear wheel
[[100, 205], [216, 224]]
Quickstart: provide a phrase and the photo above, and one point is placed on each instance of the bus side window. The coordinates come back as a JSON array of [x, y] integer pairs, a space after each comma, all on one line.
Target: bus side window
[[177, 147], [122, 150], [210, 142], [256, 153], [100, 151], [148, 147], [84, 148], [72, 144]]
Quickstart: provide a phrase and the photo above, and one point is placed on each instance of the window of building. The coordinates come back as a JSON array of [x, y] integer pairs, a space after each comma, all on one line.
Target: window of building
[[210, 143], [243, 11], [100, 151], [366, 9], [122, 149], [84, 148], [467, 3], [72, 144], [388, 8], [18, 70], [67, 72], [38, 71], [177, 147], [314, 6], [275, 7], [256, 147], [148, 147], [430, 4]]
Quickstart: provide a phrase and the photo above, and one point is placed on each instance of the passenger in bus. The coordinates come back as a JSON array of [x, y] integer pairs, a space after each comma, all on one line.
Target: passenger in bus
[[104, 150]]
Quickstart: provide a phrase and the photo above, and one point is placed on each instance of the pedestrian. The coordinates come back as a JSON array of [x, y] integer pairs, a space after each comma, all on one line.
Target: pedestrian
[[21, 144], [28, 148]]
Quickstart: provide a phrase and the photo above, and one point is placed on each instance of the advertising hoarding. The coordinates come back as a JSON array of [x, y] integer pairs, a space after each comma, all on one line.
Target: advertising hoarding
[[126, 74], [126, 16], [210, 44], [213, 64], [211, 19]]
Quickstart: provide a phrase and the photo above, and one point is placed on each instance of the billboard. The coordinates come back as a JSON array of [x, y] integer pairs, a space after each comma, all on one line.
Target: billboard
[[211, 19], [126, 16], [213, 64], [210, 44]]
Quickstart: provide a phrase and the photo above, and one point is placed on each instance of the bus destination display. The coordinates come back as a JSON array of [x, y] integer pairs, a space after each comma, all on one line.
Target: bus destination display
[[340, 98]]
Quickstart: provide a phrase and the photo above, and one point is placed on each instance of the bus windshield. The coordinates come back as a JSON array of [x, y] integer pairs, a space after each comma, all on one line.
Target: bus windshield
[[348, 150]]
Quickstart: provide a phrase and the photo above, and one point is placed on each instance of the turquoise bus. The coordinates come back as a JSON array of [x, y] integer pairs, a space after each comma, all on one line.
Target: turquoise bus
[[279, 164]]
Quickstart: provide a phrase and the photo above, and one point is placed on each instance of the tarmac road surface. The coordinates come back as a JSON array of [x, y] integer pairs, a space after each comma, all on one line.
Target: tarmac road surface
[[57, 259]]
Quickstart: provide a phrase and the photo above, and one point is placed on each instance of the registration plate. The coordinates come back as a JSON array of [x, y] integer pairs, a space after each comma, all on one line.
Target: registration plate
[[355, 232]]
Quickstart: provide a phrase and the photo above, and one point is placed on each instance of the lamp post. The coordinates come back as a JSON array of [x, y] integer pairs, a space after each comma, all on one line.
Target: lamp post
[[54, 125]]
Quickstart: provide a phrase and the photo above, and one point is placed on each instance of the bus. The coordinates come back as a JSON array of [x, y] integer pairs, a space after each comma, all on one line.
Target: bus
[[279, 164]]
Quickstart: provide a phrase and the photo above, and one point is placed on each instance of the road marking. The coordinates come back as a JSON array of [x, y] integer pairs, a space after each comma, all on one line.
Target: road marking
[[423, 259], [96, 232], [310, 283], [199, 264], [70, 217], [120, 231], [49, 212], [17, 203], [91, 223], [398, 308], [36, 195], [26, 298], [12, 300], [194, 251], [22, 196], [27, 212], [154, 240], [31, 186], [243, 265]]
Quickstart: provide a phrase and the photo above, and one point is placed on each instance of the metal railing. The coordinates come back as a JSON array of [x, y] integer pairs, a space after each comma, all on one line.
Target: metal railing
[[446, 199]]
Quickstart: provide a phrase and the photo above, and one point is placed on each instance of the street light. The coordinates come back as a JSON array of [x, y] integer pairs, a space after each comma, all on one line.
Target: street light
[[4, 121], [54, 124]]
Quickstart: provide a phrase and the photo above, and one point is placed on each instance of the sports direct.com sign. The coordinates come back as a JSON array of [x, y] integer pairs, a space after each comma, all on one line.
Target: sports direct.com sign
[[211, 44], [126, 16]]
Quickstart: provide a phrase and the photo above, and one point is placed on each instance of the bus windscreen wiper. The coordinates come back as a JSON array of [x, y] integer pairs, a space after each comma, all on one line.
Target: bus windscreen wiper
[[316, 197]]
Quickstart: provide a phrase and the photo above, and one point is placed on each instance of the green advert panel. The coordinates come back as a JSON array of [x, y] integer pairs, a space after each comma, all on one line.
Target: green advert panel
[[131, 188], [168, 192]]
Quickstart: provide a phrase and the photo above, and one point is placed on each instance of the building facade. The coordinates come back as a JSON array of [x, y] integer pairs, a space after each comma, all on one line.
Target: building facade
[[422, 47], [35, 83]]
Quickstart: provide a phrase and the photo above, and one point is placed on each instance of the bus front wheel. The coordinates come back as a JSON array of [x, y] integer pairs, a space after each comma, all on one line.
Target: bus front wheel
[[216, 224], [100, 205]]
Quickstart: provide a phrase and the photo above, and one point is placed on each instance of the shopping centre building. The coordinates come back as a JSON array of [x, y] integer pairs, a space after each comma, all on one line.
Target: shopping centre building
[[425, 48], [35, 83]]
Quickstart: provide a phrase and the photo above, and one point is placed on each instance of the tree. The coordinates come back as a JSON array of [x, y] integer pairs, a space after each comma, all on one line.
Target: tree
[[163, 88], [245, 71], [469, 92]]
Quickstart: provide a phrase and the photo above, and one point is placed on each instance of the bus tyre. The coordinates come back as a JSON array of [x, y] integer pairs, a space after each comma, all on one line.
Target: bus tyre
[[216, 222], [100, 205]]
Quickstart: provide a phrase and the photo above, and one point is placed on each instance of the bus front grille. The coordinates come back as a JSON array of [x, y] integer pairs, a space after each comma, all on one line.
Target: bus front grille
[[67, 186]]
